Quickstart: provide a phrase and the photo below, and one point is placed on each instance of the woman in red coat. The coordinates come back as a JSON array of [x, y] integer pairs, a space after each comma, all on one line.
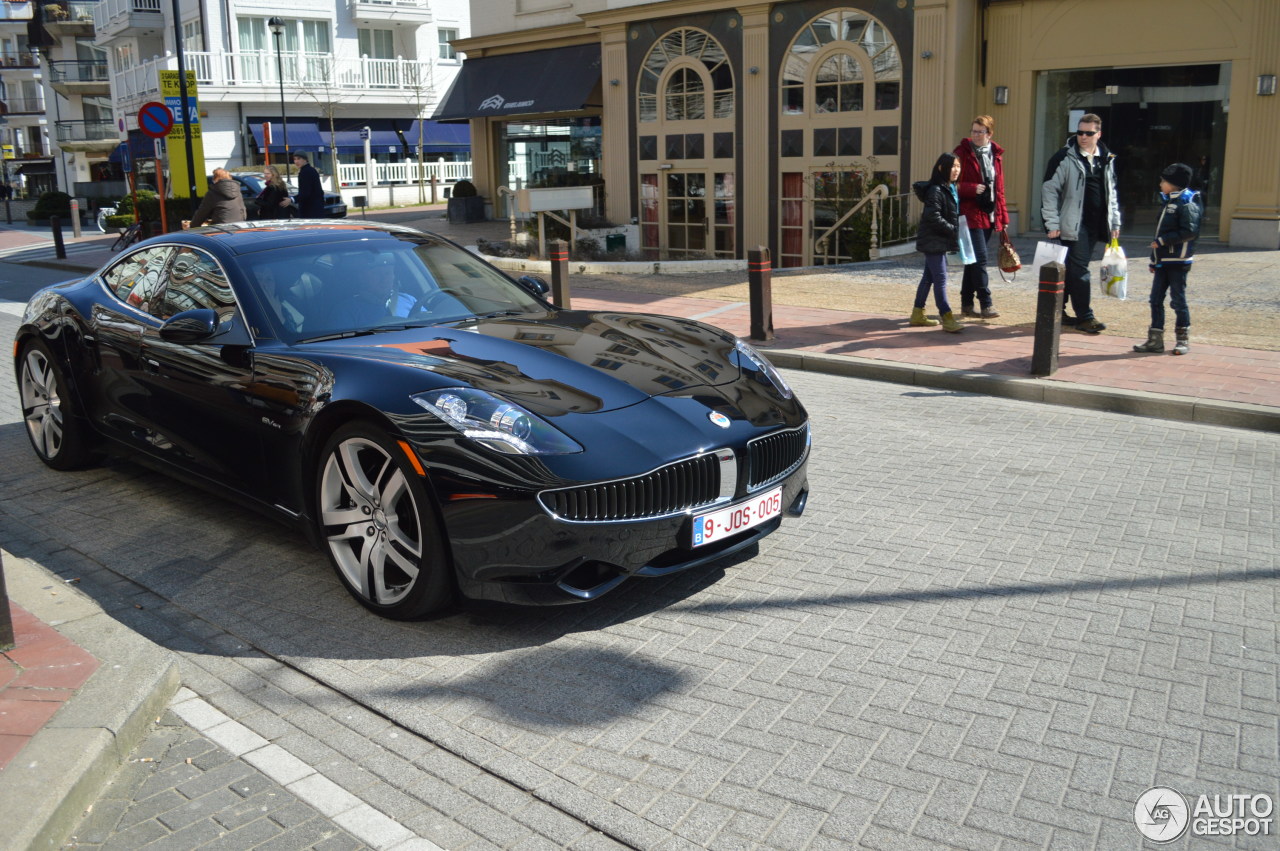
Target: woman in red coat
[[981, 188]]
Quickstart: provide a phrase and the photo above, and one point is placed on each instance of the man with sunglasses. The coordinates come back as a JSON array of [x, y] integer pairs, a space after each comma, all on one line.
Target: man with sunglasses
[[1079, 207]]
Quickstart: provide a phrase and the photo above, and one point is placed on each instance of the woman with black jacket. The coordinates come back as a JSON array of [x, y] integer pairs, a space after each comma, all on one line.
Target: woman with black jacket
[[267, 205], [939, 234]]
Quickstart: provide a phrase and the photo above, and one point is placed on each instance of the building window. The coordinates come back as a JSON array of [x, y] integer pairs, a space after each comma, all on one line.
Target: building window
[[847, 45], [192, 35], [124, 57], [446, 49], [377, 44], [704, 66]]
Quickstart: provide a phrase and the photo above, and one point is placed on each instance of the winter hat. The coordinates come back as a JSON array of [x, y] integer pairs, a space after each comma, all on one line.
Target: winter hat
[[1178, 175]]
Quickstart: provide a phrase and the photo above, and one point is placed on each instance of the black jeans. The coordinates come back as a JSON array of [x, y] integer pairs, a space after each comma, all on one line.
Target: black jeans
[[975, 282], [1076, 287]]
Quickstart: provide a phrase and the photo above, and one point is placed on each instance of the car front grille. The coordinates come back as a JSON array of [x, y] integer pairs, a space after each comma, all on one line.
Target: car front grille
[[672, 489], [774, 456]]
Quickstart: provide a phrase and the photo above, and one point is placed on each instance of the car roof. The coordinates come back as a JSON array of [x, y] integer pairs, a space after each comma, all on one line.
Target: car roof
[[249, 237]]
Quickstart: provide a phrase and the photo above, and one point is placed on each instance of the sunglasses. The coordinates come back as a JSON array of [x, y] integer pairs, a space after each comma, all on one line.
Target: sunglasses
[[1086, 132]]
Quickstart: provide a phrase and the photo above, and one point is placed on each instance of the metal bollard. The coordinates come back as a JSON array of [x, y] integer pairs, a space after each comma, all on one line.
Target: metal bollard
[[75, 217], [1044, 357], [560, 273], [760, 286], [59, 250], [7, 641]]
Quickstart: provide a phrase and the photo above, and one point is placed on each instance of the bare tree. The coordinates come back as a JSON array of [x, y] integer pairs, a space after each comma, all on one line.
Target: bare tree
[[322, 83], [419, 79]]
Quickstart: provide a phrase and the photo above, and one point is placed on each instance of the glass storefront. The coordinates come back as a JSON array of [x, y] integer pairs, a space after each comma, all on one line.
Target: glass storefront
[[1151, 117], [557, 152]]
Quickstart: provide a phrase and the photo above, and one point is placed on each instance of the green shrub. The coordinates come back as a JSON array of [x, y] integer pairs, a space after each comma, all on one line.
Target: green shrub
[[51, 204]]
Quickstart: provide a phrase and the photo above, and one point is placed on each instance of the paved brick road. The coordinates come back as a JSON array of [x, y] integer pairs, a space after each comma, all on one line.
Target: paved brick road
[[996, 626]]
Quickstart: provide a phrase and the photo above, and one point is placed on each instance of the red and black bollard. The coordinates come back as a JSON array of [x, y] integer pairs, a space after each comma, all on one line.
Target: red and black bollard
[[1044, 357], [560, 273], [760, 286]]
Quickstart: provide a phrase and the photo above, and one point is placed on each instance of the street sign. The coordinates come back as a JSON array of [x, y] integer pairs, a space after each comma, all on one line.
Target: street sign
[[364, 132], [126, 162], [155, 120]]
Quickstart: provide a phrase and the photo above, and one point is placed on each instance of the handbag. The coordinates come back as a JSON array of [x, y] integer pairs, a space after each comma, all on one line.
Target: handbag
[[1048, 252], [1009, 262], [1113, 280]]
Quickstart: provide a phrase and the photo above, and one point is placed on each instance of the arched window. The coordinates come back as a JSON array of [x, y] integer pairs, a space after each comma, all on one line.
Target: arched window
[[702, 66], [849, 42]]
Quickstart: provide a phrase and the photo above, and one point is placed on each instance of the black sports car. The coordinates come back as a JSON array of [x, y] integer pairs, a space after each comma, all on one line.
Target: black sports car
[[436, 426]]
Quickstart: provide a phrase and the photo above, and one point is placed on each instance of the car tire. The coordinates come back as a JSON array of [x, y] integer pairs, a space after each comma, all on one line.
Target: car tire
[[376, 522], [58, 433]]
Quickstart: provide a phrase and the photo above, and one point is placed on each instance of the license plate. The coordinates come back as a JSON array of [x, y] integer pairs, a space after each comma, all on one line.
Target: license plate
[[718, 525]]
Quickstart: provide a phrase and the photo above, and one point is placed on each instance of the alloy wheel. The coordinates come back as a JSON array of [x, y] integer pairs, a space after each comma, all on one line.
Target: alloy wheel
[[371, 521]]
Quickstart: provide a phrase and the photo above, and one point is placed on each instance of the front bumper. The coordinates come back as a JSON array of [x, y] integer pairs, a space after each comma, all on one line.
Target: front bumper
[[515, 551]]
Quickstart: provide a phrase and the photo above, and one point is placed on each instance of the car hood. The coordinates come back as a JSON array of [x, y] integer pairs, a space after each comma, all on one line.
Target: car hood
[[562, 361]]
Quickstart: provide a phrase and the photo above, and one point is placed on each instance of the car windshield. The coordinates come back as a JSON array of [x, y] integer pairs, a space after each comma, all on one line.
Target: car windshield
[[344, 289]]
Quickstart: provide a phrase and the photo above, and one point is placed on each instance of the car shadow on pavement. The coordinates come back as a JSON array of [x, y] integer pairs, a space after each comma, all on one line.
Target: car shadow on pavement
[[126, 533]]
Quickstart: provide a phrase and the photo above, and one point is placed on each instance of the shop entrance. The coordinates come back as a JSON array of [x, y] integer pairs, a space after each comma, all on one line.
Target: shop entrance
[[1151, 117]]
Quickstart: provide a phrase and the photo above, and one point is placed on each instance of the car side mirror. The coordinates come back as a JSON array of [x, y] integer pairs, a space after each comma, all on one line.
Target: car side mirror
[[534, 284], [190, 326]]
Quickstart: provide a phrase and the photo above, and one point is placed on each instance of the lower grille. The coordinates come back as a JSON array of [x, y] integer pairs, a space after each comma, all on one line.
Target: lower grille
[[773, 456], [672, 489]]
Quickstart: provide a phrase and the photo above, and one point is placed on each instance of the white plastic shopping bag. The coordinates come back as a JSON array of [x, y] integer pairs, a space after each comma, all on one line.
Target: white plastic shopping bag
[[1114, 277], [1048, 252], [966, 245]]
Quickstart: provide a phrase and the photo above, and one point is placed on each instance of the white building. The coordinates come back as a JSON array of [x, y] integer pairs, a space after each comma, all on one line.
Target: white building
[[25, 131], [334, 67]]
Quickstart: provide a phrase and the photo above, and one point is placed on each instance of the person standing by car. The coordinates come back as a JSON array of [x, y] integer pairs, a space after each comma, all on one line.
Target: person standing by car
[[1080, 207], [273, 201], [939, 235], [981, 188], [310, 199], [222, 204]]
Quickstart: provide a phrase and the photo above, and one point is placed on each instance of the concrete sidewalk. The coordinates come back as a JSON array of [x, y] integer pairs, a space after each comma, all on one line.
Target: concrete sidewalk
[[58, 760]]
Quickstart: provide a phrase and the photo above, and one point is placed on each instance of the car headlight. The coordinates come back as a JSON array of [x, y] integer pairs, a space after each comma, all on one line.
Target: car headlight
[[749, 358], [496, 423]]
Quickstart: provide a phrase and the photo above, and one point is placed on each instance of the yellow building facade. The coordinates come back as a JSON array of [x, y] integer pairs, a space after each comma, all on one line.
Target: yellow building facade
[[718, 127]]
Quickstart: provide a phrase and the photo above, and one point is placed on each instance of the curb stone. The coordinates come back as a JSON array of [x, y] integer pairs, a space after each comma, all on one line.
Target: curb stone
[[1116, 400], [64, 768]]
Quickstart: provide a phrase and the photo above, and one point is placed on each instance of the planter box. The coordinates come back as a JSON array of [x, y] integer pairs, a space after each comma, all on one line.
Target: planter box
[[466, 210]]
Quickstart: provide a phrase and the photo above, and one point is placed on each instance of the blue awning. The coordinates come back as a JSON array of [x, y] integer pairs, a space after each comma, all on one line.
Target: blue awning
[[384, 138], [303, 135], [440, 138]]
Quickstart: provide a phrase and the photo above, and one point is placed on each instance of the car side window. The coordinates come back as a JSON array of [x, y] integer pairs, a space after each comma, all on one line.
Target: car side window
[[138, 279], [197, 280]]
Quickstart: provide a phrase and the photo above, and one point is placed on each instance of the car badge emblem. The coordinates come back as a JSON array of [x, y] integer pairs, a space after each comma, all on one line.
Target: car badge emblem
[[719, 419]]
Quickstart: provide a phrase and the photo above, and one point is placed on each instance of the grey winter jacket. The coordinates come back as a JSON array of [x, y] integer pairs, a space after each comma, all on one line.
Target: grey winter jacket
[[1062, 199]]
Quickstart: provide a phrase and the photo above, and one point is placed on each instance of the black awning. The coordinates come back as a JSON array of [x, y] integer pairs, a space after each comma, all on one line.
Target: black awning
[[36, 167], [557, 80]]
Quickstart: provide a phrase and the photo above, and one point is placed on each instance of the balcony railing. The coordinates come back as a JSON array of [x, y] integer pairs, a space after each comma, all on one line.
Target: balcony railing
[[106, 11], [79, 71], [85, 131], [19, 106], [68, 12], [20, 58], [316, 72]]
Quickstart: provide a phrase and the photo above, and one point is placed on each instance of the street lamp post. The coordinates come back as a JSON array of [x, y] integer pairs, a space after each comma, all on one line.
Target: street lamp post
[[277, 29]]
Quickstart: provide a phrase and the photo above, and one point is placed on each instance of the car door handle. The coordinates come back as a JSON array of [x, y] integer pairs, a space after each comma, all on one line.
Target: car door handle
[[151, 366]]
